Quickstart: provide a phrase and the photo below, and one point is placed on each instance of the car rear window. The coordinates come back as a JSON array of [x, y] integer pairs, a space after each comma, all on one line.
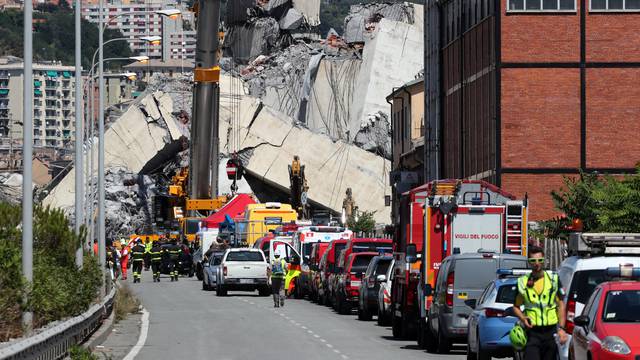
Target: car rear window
[[474, 273], [584, 283], [338, 249], [507, 294], [622, 307], [383, 266], [360, 263], [245, 256], [217, 258]]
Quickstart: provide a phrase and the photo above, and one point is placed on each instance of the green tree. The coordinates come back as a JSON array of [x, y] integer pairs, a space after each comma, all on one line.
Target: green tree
[[602, 203], [364, 224]]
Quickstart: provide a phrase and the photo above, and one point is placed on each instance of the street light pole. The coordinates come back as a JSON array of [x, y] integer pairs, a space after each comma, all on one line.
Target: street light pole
[[78, 137], [101, 197], [27, 154]]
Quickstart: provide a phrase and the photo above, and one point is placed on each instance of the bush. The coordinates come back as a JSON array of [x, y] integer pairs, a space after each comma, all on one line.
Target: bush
[[125, 302], [59, 288]]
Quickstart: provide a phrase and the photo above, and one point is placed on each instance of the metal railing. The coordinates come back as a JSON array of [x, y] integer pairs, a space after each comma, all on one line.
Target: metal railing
[[55, 342]]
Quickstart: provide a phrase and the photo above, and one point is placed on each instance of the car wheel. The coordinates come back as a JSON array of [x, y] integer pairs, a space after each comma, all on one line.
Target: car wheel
[[480, 354], [297, 291], [396, 326], [221, 291], [444, 344], [364, 314], [380, 318], [205, 286], [429, 339], [470, 355], [199, 272]]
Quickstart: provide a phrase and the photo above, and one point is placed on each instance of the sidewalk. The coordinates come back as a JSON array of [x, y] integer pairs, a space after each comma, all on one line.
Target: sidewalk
[[121, 340]]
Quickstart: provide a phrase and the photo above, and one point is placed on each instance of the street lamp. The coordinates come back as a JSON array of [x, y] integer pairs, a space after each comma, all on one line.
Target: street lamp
[[101, 191]]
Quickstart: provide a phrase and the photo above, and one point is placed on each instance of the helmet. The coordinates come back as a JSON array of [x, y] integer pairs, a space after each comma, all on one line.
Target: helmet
[[276, 255], [518, 337]]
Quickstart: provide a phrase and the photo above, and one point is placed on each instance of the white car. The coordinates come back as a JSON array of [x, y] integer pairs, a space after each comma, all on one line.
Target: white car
[[579, 277], [243, 269], [384, 297]]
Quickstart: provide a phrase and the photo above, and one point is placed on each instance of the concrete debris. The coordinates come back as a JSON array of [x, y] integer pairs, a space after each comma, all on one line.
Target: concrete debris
[[11, 188], [260, 36], [292, 20], [310, 9], [275, 8], [375, 134], [141, 142], [239, 11], [363, 18]]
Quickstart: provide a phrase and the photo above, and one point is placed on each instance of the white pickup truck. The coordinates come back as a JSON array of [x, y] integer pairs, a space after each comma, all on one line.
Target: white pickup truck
[[243, 269]]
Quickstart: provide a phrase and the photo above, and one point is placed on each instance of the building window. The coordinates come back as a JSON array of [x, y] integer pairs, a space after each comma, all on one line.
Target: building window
[[543, 5], [615, 5]]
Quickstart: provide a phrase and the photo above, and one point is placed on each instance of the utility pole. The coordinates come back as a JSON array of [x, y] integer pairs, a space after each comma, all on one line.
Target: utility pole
[[27, 153], [101, 210], [78, 137]]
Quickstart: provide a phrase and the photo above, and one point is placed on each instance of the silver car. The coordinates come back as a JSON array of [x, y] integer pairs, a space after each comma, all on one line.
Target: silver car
[[210, 270], [384, 297]]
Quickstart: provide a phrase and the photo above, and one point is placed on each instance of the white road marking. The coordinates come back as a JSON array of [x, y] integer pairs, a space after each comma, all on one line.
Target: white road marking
[[323, 340], [345, 356], [316, 336], [304, 328], [329, 346], [142, 338], [336, 351]]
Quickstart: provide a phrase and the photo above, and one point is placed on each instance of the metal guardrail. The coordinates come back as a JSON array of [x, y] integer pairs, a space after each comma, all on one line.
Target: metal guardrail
[[54, 343]]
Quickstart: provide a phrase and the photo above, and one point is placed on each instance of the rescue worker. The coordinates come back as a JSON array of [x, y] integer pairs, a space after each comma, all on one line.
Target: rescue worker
[[148, 244], [544, 311], [137, 252], [156, 260], [175, 251], [276, 271], [124, 257]]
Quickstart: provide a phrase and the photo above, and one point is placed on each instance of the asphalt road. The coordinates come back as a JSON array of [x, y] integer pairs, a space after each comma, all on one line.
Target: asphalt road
[[186, 322]]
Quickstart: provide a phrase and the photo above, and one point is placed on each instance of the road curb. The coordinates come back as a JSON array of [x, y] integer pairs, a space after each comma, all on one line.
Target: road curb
[[102, 333]]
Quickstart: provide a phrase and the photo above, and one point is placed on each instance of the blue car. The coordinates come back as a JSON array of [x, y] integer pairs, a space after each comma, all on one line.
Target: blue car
[[488, 326]]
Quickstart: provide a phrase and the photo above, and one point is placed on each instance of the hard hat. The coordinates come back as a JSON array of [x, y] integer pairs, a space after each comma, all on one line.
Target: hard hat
[[518, 337], [276, 255]]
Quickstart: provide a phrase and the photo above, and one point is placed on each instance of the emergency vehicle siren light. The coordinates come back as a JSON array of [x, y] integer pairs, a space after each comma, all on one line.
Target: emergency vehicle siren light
[[512, 272], [626, 271], [273, 205]]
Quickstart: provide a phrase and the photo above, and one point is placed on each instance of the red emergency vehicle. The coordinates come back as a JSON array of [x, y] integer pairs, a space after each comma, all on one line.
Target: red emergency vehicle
[[442, 218]]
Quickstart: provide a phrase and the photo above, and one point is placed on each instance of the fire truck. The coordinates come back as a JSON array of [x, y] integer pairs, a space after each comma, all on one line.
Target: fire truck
[[442, 218]]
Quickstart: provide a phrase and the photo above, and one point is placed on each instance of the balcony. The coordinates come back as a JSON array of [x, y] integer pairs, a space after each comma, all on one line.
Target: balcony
[[4, 75], [50, 86], [4, 106]]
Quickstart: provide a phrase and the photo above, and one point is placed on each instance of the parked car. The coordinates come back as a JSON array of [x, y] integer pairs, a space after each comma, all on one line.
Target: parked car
[[460, 278], [243, 269], [384, 297], [489, 323], [610, 322], [210, 270], [579, 277], [318, 256], [349, 280], [197, 262], [370, 286]]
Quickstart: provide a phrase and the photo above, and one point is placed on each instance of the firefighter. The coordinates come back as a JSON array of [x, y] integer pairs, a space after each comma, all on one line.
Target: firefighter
[[276, 271], [543, 318], [137, 252], [147, 253], [156, 260], [124, 257], [175, 251]]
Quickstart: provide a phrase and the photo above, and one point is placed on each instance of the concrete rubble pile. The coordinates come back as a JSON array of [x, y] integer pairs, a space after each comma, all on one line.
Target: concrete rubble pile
[[11, 188], [338, 86], [260, 27], [141, 147]]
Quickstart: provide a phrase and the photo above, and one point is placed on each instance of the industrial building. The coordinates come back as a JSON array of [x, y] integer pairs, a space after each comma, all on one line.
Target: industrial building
[[523, 92]]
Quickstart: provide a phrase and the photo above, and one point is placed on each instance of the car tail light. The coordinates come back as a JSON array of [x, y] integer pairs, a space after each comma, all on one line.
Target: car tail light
[[571, 314], [449, 297], [386, 297], [491, 313], [224, 271]]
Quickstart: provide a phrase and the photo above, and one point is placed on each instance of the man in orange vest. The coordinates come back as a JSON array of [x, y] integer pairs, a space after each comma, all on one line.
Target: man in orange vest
[[124, 258]]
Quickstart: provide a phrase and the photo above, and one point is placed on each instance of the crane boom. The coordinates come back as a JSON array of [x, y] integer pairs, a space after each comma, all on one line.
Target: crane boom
[[203, 174]]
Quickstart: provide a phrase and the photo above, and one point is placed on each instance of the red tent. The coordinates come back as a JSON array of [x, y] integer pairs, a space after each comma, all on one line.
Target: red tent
[[233, 208]]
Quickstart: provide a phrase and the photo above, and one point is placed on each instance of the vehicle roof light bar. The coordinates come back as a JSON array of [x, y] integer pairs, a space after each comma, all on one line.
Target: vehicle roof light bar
[[512, 272], [623, 271]]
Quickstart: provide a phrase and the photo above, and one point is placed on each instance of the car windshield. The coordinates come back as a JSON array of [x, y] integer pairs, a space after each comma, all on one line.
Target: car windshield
[[245, 256], [584, 283], [622, 307], [507, 294], [360, 263], [474, 273], [372, 246]]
